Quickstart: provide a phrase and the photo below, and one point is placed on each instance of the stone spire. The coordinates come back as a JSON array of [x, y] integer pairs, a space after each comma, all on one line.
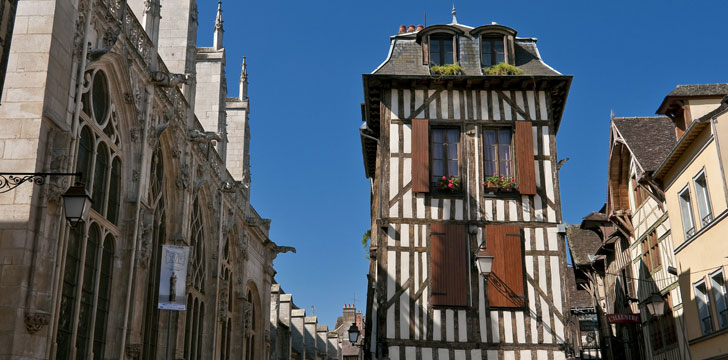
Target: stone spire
[[218, 27], [152, 14], [454, 19], [243, 94]]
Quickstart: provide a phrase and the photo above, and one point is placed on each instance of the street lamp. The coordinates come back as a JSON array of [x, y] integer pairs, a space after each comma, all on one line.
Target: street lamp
[[484, 261], [76, 203], [353, 333], [655, 305]]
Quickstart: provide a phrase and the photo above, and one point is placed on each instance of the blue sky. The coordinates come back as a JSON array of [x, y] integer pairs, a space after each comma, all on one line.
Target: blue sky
[[305, 61]]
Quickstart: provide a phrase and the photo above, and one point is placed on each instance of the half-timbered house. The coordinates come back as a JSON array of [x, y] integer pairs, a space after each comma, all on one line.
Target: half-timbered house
[[457, 162]]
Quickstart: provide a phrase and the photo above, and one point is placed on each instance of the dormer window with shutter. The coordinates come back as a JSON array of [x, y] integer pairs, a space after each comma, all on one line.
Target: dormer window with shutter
[[442, 49], [496, 44], [492, 51]]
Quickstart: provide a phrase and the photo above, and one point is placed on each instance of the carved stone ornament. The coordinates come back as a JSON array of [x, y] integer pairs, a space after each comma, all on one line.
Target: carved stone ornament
[[223, 311], [133, 351], [246, 315], [145, 234], [36, 320]]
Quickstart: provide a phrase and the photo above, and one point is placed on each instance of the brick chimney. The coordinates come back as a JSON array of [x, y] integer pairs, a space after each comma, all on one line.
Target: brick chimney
[[349, 313]]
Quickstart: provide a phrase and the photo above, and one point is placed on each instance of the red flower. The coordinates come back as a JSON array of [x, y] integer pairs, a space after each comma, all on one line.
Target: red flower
[[449, 185], [444, 177]]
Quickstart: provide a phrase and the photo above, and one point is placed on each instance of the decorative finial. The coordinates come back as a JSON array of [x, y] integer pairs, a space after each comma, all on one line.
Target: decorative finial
[[244, 71], [454, 19], [218, 19]]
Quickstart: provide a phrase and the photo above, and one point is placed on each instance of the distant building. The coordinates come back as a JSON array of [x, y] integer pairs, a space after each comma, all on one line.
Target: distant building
[[350, 316], [445, 116]]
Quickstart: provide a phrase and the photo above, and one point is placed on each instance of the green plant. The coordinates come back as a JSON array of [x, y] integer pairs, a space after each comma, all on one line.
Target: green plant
[[451, 183], [502, 69], [450, 69], [365, 238], [503, 182]]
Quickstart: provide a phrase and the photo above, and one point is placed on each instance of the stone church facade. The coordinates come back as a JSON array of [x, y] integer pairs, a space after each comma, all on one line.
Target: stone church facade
[[119, 91]]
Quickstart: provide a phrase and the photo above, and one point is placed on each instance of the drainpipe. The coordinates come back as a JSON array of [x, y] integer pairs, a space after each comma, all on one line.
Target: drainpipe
[[133, 263]]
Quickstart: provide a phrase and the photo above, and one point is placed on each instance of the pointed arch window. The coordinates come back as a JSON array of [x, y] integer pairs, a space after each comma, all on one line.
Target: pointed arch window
[[196, 292], [89, 250]]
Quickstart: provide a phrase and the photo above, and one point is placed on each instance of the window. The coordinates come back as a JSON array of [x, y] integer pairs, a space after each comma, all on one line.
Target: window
[[686, 210], [505, 283], [88, 269], [449, 265], [251, 329], [445, 143], [651, 252], [227, 297], [156, 196], [717, 285], [703, 301], [196, 289], [703, 199], [492, 51], [497, 157], [663, 333], [640, 195], [442, 50]]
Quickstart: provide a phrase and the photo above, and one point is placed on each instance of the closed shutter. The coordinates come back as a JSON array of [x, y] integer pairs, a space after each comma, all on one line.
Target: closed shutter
[[526, 176], [448, 265], [420, 156], [505, 283]]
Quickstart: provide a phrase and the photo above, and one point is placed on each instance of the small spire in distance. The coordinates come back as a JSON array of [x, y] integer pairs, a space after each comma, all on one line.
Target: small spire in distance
[[244, 71], [454, 19], [218, 19]]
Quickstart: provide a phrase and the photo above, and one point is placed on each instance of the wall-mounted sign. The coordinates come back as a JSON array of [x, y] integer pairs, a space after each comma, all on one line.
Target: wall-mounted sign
[[623, 318], [172, 277]]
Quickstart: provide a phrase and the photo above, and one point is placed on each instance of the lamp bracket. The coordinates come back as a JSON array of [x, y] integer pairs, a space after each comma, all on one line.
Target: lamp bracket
[[9, 181]]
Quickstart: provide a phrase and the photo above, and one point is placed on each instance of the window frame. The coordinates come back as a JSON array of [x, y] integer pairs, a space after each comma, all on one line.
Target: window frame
[[705, 298], [497, 155], [492, 38], [721, 315], [688, 232], [705, 193], [442, 36], [432, 181]]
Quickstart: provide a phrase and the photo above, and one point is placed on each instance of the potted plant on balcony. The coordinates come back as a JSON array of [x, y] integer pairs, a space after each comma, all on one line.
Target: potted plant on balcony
[[448, 69], [448, 183], [499, 183]]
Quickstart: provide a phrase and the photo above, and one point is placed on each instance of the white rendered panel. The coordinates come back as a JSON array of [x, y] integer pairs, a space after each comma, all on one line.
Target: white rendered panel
[[394, 353], [520, 327], [496, 107], [420, 205], [542, 105], [483, 105], [449, 325], [556, 283], [446, 209], [526, 205], [407, 139], [500, 210], [433, 105], [456, 105], [539, 239], [534, 131], [462, 327], [542, 274], [489, 209], [443, 104], [458, 209], [426, 354], [525, 354], [520, 104], [526, 240], [404, 321], [434, 208], [531, 301], [542, 354], [391, 236], [393, 138], [546, 140], [532, 105], [406, 96], [391, 273], [459, 354], [436, 325], [419, 100], [474, 105], [546, 318], [507, 109], [443, 354], [512, 210], [476, 354], [553, 243], [507, 327], [559, 355], [492, 354], [494, 326], [390, 322], [509, 355], [395, 104], [407, 204], [481, 311], [538, 208], [404, 232], [410, 353], [558, 330], [537, 172], [393, 178]]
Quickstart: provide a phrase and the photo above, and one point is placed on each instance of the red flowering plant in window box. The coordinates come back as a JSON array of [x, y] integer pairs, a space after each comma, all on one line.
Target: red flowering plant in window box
[[448, 183], [499, 183]]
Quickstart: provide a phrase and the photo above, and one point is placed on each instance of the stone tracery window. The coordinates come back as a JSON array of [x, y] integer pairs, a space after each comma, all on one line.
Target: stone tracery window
[[89, 254], [227, 297], [196, 292]]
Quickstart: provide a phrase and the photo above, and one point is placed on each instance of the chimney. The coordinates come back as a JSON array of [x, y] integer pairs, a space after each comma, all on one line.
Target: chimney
[[402, 29], [349, 314], [411, 28], [420, 28], [359, 320]]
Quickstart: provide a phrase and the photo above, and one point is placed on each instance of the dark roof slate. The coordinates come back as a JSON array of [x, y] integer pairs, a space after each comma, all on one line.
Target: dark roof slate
[[406, 57], [582, 243], [650, 139], [578, 297], [700, 90]]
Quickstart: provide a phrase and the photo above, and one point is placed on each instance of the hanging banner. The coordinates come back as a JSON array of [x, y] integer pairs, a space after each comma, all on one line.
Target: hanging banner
[[172, 277], [623, 318]]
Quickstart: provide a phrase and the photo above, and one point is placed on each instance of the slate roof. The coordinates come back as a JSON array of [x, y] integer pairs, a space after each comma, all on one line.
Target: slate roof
[[700, 90], [405, 56], [650, 139], [578, 297], [582, 243]]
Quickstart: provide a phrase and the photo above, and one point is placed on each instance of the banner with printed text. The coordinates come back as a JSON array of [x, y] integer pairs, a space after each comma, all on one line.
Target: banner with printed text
[[172, 277]]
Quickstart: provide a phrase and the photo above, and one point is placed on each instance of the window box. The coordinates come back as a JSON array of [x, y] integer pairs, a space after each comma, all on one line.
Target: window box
[[449, 184], [500, 184]]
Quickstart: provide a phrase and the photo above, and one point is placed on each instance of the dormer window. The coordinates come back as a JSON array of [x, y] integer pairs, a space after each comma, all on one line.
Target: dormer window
[[492, 50], [442, 50]]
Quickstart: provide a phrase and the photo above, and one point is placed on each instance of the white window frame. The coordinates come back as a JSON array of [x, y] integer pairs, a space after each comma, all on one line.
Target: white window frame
[[702, 196], [719, 297], [704, 298], [686, 213]]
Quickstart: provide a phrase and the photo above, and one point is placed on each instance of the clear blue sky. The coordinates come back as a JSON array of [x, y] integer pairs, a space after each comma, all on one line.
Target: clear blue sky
[[305, 61]]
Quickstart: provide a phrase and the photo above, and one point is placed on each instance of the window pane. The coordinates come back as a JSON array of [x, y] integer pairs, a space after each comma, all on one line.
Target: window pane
[[87, 293], [102, 307], [100, 97], [85, 151], [68, 293], [499, 58], [703, 200], [100, 176], [504, 152], [435, 52], [686, 211], [112, 212], [447, 47], [719, 294], [486, 53], [438, 170], [490, 152], [701, 297]]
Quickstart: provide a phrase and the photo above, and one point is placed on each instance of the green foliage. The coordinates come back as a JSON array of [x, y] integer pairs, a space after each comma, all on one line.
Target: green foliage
[[505, 182], [502, 69], [365, 238], [451, 69], [451, 183]]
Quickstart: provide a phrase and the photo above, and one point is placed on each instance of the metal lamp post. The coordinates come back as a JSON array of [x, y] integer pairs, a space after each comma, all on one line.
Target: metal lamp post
[[76, 203], [484, 262]]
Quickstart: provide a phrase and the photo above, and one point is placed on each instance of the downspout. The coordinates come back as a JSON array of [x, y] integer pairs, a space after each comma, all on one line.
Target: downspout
[[133, 263]]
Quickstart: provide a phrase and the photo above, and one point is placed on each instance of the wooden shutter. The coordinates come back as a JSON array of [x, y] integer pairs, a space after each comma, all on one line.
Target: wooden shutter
[[420, 156], [448, 265], [505, 283], [526, 169], [426, 50]]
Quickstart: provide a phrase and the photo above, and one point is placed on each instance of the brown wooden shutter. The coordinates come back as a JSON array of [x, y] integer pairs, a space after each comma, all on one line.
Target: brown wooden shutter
[[426, 50], [420, 156], [505, 283], [449, 265], [526, 169]]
